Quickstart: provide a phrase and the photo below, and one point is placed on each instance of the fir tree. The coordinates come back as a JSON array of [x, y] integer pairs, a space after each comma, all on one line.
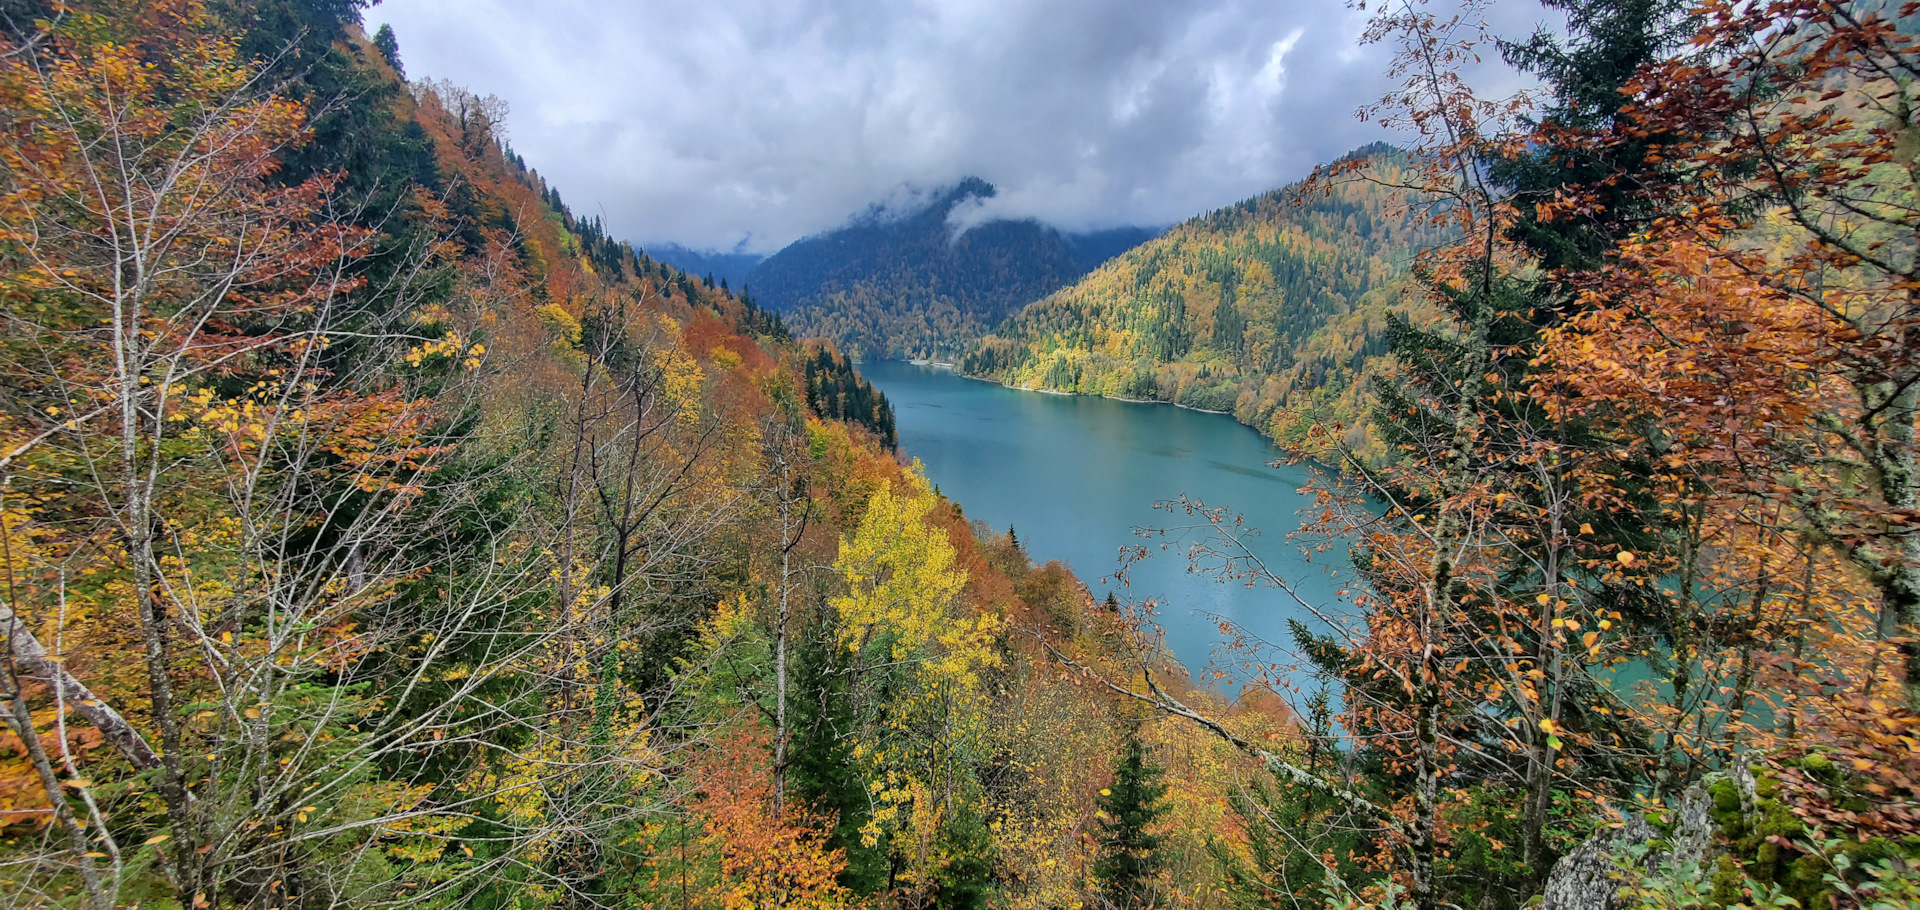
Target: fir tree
[[1129, 850], [389, 47]]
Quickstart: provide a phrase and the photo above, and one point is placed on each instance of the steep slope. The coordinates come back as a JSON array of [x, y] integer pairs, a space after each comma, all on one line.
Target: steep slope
[[502, 564], [892, 284], [1272, 309]]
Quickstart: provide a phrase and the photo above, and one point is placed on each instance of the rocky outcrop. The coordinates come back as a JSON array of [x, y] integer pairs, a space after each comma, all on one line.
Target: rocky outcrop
[[1589, 876]]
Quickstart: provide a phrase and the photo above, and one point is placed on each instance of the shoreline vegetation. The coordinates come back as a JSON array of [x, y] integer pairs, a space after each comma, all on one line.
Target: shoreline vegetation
[[949, 366], [1277, 309]]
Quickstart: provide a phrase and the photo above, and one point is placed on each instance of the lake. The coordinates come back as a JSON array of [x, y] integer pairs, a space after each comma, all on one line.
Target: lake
[[1075, 475]]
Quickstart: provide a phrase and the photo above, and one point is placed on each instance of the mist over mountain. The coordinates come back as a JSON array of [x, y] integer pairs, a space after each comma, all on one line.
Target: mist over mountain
[[914, 280], [731, 268]]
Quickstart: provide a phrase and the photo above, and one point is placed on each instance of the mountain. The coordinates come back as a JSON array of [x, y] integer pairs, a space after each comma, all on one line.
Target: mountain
[[457, 491], [909, 284], [1272, 309], [731, 268]]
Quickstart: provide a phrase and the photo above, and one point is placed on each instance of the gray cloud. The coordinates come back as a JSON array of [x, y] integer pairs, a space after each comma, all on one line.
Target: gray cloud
[[717, 123]]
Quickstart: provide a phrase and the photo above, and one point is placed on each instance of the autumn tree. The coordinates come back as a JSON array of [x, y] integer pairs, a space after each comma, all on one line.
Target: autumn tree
[[199, 464], [1753, 347], [919, 658]]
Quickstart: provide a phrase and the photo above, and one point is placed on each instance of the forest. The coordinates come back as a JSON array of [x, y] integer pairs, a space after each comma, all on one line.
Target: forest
[[914, 284], [378, 532], [1274, 309]]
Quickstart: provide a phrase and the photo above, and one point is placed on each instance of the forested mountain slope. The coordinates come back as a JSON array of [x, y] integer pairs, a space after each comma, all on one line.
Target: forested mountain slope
[[1276, 306], [906, 284], [378, 533], [407, 541]]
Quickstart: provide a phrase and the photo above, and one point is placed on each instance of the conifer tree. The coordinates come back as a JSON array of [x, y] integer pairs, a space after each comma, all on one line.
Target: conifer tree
[[1129, 849], [389, 46]]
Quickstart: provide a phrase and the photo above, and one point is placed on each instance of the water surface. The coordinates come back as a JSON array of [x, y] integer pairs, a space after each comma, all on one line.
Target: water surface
[[1075, 475]]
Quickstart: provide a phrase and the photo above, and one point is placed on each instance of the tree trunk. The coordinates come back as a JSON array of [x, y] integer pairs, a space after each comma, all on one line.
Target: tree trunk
[[780, 644], [20, 718], [33, 663], [1902, 491]]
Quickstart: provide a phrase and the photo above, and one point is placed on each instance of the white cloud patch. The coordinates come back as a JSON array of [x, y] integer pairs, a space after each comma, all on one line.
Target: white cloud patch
[[749, 123]]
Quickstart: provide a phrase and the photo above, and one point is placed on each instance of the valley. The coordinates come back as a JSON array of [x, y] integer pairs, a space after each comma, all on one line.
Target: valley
[[1519, 511], [1075, 476]]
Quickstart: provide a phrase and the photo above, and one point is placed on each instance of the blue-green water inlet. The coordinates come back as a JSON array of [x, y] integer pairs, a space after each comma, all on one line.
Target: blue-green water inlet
[[1074, 476]]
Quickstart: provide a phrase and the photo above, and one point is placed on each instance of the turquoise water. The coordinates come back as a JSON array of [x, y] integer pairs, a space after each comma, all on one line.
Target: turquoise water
[[1075, 476]]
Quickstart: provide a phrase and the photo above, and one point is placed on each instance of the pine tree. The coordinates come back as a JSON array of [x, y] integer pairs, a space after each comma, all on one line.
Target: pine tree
[[1129, 850]]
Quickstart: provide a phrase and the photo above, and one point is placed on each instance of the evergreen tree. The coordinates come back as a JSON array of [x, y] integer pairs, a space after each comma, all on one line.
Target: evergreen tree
[[1290, 829], [389, 47], [1129, 850], [967, 881], [823, 773], [1607, 44]]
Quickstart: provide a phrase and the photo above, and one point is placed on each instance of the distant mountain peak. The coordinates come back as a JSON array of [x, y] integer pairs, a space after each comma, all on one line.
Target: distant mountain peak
[[925, 272], [971, 187], [912, 203], [729, 266]]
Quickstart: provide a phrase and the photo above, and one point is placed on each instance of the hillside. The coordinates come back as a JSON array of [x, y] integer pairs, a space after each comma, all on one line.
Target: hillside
[[379, 533], [493, 562], [901, 284], [1271, 308]]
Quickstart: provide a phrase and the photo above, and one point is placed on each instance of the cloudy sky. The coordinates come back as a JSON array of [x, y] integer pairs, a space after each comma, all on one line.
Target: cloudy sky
[[750, 123]]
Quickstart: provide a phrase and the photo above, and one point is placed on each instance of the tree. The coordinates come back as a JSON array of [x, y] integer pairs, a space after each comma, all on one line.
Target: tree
[[389, 47], [918, 663], [1129, 854], [242, 515], [769, 858], [1803, 202], [1755, 347]]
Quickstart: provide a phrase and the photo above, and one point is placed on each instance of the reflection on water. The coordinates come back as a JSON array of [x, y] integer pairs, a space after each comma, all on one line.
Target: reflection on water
[[1264, 472], [1074, 476]]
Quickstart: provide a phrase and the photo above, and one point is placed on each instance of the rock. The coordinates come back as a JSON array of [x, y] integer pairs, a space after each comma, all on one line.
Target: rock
[[1584, 879], [1588, 877]]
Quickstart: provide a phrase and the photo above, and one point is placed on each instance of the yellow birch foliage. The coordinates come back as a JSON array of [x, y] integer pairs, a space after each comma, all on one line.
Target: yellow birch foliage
[[902, 615], [902, 579]]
